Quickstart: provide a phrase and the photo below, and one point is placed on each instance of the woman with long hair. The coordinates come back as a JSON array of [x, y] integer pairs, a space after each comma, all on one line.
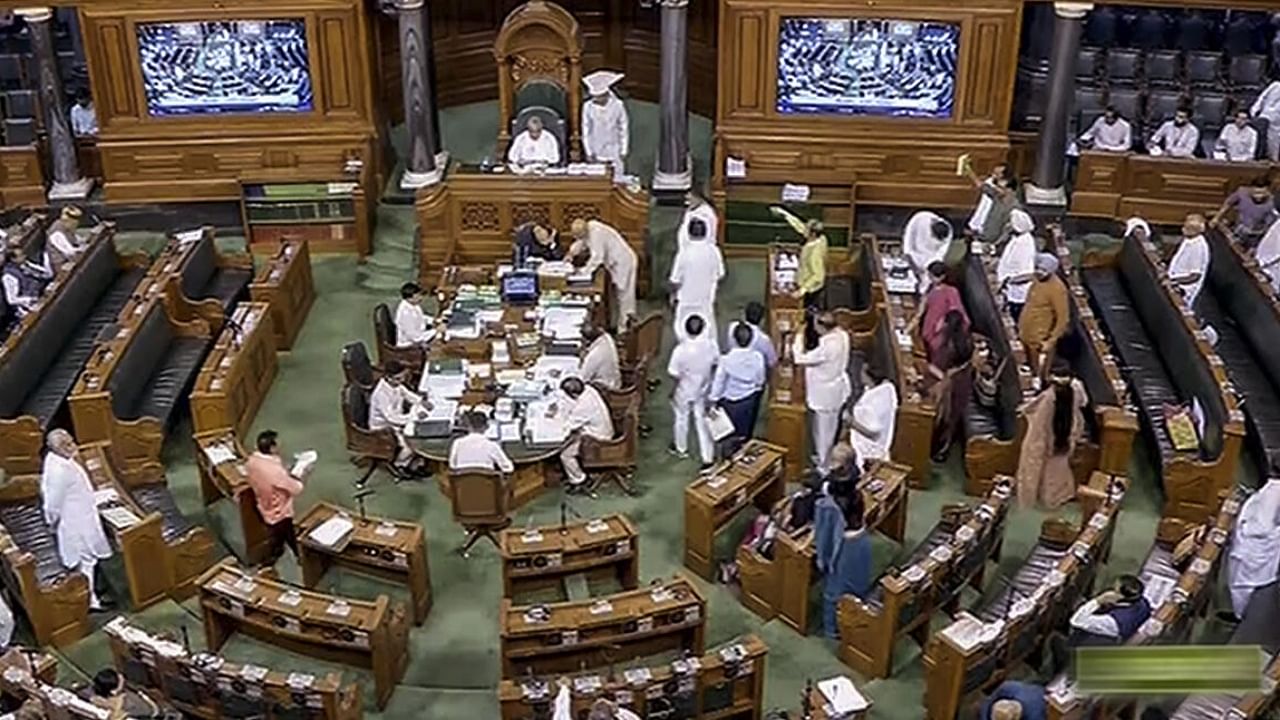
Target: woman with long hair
[[1055, 423], [952, 373]]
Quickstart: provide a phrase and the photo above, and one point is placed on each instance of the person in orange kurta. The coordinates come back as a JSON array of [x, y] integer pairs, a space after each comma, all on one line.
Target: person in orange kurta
[[1047, 314], [1055, 423], [274, 488]]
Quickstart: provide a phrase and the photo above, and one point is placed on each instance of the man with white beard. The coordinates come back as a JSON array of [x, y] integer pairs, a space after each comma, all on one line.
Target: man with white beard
[[71, 510]]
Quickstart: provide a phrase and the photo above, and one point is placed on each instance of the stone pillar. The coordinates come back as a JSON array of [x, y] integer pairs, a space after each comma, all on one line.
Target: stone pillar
[[1046, 186], [425, 163], [674, 173], [67, 181]]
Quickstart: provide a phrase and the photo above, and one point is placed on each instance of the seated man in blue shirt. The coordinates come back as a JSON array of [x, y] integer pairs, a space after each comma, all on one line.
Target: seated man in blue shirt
[[1014, 700]]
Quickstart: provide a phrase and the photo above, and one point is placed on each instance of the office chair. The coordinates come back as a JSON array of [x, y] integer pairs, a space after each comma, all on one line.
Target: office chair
[[480, 500], [613, 460], [384, 329], [643, 341], [356, 366], [374, 447]]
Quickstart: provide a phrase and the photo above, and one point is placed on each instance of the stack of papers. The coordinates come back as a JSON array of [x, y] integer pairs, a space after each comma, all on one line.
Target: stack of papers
[[303, 462], [841, 697], [332, 531], [555, 268], [546, 431], [219, 453], [119, 517]]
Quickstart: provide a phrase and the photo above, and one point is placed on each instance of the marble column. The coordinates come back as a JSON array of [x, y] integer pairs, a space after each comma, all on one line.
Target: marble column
[[425, 163], [1046, 186], [674, 173], [68, 184]]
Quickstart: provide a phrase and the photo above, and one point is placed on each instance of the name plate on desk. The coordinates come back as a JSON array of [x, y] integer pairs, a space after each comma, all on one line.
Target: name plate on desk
[[338, 608]]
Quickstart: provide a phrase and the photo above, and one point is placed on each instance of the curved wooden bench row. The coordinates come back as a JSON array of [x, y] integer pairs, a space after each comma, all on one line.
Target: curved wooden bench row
[[54, 599], [209, 687], [1169, 359], [984, 646], [1247, 706], [285, 283], [135, 380], [210, 281], [955, 552], [237, 373], [164, 552], [1172, 621]]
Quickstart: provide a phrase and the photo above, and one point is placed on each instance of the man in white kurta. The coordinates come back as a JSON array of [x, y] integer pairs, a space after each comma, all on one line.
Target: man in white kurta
[[874, 417], [71, 510], [1268, 254], [696, 208], [607, 248], [1238, 142], [695, 277], [1190, 263], [534, 146], [391, 406], [600, 363], [1109, 133], [588, 415], [62, 245], [692, 366], [1017, 266], [412, 326], [925, 240], [1176, 138], [826, 383], [474, 451], [1268, 106], [606, 130], [1255, 545]]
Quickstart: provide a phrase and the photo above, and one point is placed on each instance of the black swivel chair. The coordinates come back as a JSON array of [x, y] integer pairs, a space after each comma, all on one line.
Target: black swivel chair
[[19, 132], [357, 367]]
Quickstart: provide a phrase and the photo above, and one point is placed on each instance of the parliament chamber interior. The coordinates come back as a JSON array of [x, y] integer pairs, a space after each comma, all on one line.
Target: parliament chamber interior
[[640, 360]]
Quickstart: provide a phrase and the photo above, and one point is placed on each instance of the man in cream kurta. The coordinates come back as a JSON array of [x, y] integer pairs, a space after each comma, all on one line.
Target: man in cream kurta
[[71, 510], [586, 413], [412, 326], [1017, 266], [607, 247], [695, 277], [826, 382], [924, 241], [391, 406], [874, 417], [692, 366], [1190, 264], [606, 132], [697, 209], [1255, 545], [600, 363], [534, 146]]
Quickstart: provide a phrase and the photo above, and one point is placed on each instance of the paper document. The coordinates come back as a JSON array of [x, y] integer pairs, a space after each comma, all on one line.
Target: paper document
[[219, 453], [186, 237], [105, 496], [735, 167], [547, 431], [795, 193], [303, 462], [841, 696], [332, 531], [119, 517]]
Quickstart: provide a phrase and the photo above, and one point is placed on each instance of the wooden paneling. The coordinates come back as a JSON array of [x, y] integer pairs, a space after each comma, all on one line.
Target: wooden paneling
[[894, 160], [21, 180], [1160, 189]]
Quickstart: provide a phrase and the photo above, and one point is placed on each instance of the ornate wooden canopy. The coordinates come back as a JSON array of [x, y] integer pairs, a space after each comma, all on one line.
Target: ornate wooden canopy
[[539, 41]]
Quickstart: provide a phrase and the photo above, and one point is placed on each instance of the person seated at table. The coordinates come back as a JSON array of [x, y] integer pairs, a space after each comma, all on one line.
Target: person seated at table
[[1111, 617], [537, 241], [63, 246], [84, 119], [413, 327], [1255, 210], [534, 146], [23, 284], [871, 420], [474, 451], [1176, 138], [110, 693], [1109, 133], [586, 414], [391, 407], [1014, 700], [1238, 142], [600, 363]]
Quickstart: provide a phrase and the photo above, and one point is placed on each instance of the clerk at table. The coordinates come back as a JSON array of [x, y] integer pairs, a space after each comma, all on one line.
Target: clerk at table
[[474, 451], [600, 364]]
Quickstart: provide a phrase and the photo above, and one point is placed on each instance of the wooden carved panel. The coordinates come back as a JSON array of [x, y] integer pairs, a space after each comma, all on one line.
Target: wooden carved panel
[[579, 211], [985, 71], [480, 217], [335, 73], [540, 66], [539, 213], [751, 71]]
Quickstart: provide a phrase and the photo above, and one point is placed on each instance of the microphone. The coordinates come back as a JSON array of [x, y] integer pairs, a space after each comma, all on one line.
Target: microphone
[[237, 330], [359, 496], [186, 639]]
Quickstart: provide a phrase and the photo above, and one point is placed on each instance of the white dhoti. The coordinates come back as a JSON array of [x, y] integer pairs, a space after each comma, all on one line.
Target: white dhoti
[[569, 459], [1254, 557], [624, 301], [826, 423], [681, 410]]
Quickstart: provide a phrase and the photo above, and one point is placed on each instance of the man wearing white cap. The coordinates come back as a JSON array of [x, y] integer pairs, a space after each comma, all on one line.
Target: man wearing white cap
[[534, 146], [606, 132], [1017, 266]]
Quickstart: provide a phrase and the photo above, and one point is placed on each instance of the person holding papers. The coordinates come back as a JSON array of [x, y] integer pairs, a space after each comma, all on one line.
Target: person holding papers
[[71, 509], [606, 132], [587, 414], [600, 364], [695, 277], [1177, 138], [1109, 133], [925, 241], [605, 246], [534, 147], [274, 488], [412, 325], [826, 383], [474, 451], [739, 384], [1190, 264], [391, 407], [692, 365]]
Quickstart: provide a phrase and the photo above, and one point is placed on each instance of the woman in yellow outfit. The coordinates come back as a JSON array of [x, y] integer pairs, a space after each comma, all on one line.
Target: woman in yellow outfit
[[812, 274]]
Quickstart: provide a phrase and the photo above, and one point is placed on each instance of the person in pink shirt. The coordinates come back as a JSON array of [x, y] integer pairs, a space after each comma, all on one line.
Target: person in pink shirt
[[274, 489]]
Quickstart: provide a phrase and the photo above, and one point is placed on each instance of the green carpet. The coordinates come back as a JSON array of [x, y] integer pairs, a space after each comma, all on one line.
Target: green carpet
[[453, 668]]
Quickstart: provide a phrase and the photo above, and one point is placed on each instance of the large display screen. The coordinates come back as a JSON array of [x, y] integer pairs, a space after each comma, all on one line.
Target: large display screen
[[902, 68], [225, 66]]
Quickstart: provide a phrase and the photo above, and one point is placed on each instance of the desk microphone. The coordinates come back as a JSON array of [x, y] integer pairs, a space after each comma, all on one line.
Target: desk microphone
[[359, 496], [186, 639], [237, 330]]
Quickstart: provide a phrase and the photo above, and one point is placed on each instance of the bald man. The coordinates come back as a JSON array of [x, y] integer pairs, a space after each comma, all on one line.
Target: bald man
[[71, 510], [1014, 700], [1190, 264], [606, 247]]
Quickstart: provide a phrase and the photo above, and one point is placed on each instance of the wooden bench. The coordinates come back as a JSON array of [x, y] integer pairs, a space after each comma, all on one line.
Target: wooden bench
[[755, 475], [284, 282], [209, 687], [237, 373], [1168, 361], [953, 553], [533, 558], [211, 281], [226, 478]]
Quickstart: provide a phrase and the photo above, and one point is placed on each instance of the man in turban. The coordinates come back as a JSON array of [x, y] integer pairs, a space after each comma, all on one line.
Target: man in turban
[[1047, 314]]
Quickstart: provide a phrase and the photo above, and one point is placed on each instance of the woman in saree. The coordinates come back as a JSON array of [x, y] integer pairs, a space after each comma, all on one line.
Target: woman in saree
[[1055, 423]]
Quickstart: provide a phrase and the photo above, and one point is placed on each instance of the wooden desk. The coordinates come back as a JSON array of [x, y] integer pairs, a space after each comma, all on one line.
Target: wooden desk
[[227, 480], [21, 178], [156, 567], [1160, 189], [603, 630], [787, 412], [392, 550], [536, 557], [367, 634], [285, 283], [818, 705], [197, 684], [471, 217], [724, 684], [237, 373], [55, 703], [781, 586], [754, 475]]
